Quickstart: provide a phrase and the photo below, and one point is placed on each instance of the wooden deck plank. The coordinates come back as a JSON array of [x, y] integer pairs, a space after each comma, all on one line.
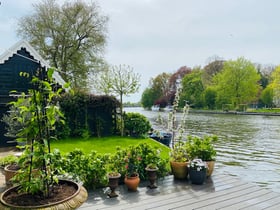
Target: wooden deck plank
[[233, 202], [220, 191], [166, 187], [206, 199]]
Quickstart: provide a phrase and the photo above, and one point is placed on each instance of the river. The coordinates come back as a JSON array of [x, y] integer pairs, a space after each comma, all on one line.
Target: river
[[248, 146]]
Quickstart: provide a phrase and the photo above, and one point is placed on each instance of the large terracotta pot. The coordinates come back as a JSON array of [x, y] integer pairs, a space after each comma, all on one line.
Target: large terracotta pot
[[70, 203], [132, 182], [179, 169], [210, 169]]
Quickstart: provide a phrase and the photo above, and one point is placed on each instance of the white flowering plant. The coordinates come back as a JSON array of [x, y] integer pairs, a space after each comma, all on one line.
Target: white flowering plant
[[198, 165]]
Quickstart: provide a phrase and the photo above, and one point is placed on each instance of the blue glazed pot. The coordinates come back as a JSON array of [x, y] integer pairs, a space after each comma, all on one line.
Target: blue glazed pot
[[197, 177]]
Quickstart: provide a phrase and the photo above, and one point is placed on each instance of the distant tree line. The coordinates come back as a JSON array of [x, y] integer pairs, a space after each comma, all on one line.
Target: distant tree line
[[233, 84]]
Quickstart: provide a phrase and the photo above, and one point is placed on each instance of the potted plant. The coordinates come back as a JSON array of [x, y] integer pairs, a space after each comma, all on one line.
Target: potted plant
[[197, 171], [113, 183], [132, 179], [203, 148], [38, 184], [179, 161], [9, 166], [151, 170]]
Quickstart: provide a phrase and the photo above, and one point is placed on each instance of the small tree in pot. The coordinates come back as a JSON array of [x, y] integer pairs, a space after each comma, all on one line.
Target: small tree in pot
[[37, 177]]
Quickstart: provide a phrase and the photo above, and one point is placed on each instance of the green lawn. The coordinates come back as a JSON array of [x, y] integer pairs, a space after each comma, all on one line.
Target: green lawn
[[104, 145]]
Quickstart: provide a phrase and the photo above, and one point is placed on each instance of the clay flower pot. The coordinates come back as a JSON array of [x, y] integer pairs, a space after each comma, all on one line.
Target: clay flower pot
[[179, 169], [132, 182]]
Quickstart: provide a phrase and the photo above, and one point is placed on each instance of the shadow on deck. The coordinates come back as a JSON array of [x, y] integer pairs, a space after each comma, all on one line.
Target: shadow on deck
[[219, 192]]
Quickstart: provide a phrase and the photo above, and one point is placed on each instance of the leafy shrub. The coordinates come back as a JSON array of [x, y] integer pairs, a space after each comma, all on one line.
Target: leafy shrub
[[201, 147], [136, 124], [141, 155], [90, 169], [8, 160], [89, 115]]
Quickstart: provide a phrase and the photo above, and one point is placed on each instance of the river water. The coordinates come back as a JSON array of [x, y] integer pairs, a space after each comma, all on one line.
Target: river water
[[248, 146]]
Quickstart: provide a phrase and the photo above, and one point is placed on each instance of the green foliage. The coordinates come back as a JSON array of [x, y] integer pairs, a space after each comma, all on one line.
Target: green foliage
[[88, 115], [179, 152], [210, 95], [275, 85], [120, 81], [267, 96], [12, 125], [89, 169], [201, 148], [35, 175], [237, 83], [136, 124], [70, 35], [192, 89], [8, 160], [136, 158], [147, 98]]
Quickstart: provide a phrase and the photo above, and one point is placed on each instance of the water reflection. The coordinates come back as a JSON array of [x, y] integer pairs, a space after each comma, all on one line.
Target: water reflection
[[248, 146]]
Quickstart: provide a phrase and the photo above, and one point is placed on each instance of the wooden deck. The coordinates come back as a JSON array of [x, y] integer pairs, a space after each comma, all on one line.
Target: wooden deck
[[219, 192]]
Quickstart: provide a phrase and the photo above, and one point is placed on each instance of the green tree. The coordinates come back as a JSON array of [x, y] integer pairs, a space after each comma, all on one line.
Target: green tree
[[210, 70], [275, 85], [160, 87], [210, 95], [71, 37], [192, 90], [147, 99], [237, 83], [118, 80], [267, 96]]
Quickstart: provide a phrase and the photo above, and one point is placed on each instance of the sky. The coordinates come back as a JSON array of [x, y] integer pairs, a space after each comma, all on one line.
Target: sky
[[156, 36]]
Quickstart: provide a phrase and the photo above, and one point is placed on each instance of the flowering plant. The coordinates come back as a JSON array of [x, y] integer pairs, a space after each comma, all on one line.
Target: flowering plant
[[198, 165], [132, 161]]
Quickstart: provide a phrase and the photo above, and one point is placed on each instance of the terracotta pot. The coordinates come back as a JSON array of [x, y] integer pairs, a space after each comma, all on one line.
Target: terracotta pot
[[132, 182], [72, 202], [210, 165], [9, 173], [179, 169], [113, 184], [152, 177]]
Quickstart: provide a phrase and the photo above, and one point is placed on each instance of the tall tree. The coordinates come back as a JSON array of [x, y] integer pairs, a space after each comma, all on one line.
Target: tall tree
[[176, 77], [275, 85], [237, 83], [210, 70], [160, 87], [192, 89], [118, 80], [147, 99], [72, 37]]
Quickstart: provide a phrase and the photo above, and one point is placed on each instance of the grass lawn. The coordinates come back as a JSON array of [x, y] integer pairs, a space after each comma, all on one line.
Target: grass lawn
[[104, 145]]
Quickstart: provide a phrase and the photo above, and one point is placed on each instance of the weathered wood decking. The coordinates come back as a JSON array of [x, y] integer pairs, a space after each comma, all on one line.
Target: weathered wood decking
[[219, 192]]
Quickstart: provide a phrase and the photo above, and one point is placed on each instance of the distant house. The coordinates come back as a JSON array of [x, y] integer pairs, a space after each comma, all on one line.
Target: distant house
[[21, 57]]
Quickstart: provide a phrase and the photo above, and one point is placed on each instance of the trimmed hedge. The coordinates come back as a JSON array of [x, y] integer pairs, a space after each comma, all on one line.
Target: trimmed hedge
[[88, 115]]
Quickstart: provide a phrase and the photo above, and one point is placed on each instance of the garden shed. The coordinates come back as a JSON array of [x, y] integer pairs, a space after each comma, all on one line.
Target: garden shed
[[21, 57]]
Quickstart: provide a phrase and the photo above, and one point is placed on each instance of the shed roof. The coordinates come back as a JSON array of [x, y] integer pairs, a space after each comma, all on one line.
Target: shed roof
[[37, 57]]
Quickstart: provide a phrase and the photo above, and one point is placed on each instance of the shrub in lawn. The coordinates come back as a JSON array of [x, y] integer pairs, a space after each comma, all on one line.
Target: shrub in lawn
[[136, 124]]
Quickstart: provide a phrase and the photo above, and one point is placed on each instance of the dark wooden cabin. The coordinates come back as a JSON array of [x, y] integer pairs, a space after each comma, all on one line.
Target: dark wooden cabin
[[22, 57]]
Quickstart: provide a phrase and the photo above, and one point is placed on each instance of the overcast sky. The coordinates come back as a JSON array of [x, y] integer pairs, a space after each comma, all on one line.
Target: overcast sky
[[155, 36]]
